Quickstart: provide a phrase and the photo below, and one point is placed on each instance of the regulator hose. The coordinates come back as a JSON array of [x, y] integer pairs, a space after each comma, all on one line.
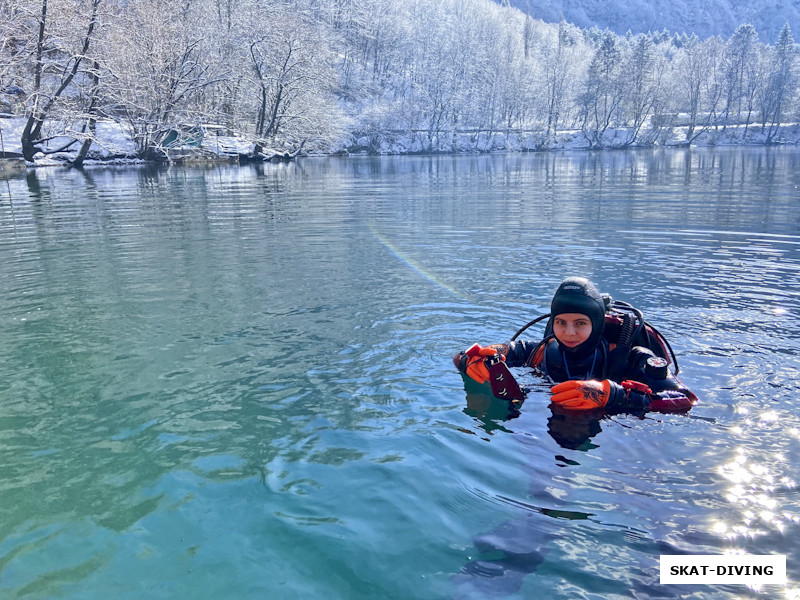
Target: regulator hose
[[524, 327]]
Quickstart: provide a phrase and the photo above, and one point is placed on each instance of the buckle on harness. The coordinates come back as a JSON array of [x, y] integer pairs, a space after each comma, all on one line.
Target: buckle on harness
[[493, 360]]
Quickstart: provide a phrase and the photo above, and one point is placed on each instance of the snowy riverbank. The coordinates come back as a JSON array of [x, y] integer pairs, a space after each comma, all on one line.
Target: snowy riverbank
[[612, 139], [113, 144]]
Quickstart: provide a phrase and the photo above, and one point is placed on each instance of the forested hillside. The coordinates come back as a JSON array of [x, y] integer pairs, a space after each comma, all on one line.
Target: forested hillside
[[377, 76], [705, 18]]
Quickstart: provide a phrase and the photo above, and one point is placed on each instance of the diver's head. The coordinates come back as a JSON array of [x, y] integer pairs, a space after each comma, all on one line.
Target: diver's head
[[578, 315]]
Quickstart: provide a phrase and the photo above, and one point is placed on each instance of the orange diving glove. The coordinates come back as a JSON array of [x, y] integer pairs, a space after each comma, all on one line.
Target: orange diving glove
[[629, 396], [472, 362], [581, 395]]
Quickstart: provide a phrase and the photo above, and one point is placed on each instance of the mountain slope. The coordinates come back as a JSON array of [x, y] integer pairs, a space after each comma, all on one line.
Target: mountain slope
[[703, 17]]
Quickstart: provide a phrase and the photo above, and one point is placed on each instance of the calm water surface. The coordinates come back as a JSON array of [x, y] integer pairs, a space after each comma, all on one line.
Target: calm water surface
[[236, 382]]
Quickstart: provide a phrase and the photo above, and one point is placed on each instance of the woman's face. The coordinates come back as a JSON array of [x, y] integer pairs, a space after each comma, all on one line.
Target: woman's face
[[572, 329]]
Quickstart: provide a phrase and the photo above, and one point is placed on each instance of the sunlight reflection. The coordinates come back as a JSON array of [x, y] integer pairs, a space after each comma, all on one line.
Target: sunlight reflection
[[769, 416], [792, 593], [753, 492]]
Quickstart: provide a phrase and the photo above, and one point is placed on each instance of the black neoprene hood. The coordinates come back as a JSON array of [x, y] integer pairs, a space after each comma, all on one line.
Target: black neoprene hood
[[579, 295]]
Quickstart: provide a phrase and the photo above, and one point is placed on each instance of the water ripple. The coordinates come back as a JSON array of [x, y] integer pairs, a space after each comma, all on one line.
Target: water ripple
[[244, 373]]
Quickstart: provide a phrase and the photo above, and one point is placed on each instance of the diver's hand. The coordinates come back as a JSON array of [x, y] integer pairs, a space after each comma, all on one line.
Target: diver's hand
[[586, 395], [629, 396], [582, 395], [472, 362]]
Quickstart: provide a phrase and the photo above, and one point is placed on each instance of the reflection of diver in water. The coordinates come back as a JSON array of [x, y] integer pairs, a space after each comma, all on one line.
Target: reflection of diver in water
[[574, 431], [603, 358], [503, 557], [507, 555], [571, 429]]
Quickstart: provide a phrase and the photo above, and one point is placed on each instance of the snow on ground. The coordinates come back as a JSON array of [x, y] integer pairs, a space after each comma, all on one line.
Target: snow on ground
[[115, 145], [613, 138]]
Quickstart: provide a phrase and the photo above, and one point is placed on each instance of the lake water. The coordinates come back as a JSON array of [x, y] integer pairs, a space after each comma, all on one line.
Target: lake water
[[236, 382]]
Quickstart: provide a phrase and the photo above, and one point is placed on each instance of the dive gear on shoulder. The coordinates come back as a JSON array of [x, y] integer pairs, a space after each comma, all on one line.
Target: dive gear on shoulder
[[624, 327]]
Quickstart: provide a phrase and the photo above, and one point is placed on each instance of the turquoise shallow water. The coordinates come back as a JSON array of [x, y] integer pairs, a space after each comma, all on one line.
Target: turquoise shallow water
[[236, 382]]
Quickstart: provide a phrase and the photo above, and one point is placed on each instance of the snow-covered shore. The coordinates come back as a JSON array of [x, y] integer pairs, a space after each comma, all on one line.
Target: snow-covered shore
[[113, 144], [614, 138]]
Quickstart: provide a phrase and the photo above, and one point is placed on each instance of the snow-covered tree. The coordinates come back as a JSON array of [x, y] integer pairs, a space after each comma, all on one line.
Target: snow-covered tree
[[17, 42], [156, 68], [740, 55], [601, 101], [782, 82], [698, 80], [560, 61], [642, 79], [295, 78], [64, 33]]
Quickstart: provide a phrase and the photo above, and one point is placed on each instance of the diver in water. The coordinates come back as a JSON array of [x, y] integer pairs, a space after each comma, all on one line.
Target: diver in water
[[599, 353], [603, 358]]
